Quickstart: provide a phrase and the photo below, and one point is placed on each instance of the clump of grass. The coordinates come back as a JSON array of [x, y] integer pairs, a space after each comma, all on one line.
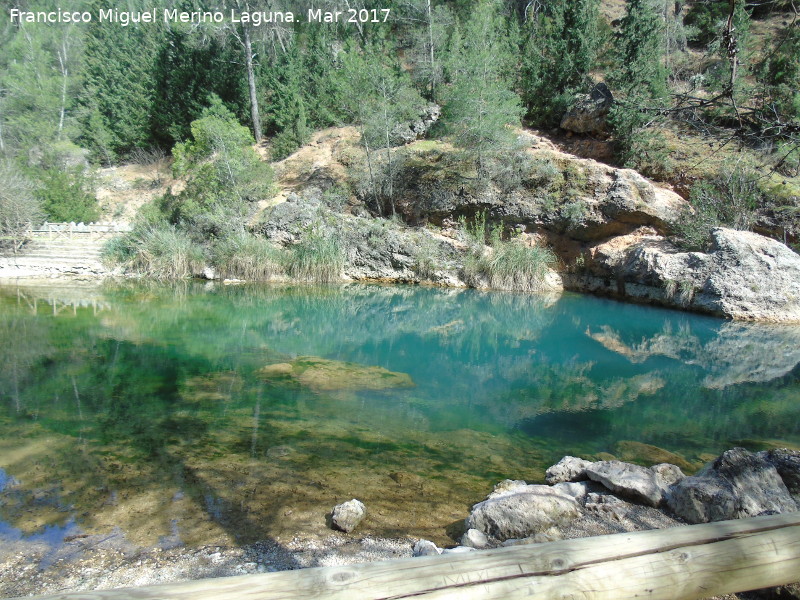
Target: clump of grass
[[319, 256], [513, 265], [505, 264], [158, 251], [246, 256], [427, 258]]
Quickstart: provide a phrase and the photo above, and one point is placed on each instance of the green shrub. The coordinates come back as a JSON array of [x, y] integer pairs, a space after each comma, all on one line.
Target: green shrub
[[246, 256], [544, 173], [575, 211], [336, 197], [223, 173], [706, 20], [638, 144], [427, 259], [731, 200], [319, 256], [283, 145], [510, 169], [161, 252], [475, 230], [66, 194]]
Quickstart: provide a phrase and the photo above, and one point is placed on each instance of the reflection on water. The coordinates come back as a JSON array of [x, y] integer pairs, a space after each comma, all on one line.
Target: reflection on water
[[191, 415]]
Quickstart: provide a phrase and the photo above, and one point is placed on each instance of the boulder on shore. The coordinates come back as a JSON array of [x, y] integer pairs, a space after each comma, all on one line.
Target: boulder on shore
[[523, 512], [627, 480], [787, 463], [743, 276], [738, 484], [568, 469]]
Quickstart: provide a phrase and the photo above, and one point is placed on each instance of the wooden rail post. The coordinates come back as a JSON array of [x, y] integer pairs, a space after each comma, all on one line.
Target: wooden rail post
[[681, 563]]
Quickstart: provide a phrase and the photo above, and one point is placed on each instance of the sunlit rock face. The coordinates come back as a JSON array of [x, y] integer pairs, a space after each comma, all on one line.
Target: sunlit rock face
[[744, 276], [736, 485]]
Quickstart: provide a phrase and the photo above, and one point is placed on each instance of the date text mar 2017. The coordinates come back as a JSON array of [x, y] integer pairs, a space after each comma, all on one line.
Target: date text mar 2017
[[351, 15]]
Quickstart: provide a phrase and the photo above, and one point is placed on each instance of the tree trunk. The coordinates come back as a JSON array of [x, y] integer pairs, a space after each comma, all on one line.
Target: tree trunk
[[432, 56], [62, 61], [251, 83], [388, 148]]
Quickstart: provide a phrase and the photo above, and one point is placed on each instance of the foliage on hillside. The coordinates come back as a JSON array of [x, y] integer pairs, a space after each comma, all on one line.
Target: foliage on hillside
[[75, 96]]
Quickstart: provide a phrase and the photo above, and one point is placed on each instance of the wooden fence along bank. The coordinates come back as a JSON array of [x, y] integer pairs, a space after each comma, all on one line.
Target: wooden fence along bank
[[682, 563]]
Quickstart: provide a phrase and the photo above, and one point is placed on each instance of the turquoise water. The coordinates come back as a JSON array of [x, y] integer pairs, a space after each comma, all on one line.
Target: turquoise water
[[146, 408]]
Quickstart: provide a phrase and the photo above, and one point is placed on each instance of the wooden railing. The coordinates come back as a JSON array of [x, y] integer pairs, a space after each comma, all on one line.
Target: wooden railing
[[682, 563], [71, 230]]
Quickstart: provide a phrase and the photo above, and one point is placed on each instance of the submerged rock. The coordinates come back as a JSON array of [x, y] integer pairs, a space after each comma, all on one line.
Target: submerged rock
[[738, 484], [524, 512], [348, 515], [321, 374], [638, 452]]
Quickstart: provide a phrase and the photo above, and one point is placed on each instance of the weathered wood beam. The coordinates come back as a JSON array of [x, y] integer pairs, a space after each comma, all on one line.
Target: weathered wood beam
[[680, 563]]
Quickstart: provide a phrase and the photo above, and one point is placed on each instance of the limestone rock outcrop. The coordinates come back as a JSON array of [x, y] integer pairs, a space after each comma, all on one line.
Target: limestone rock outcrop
[[522, 512], [744, 275]]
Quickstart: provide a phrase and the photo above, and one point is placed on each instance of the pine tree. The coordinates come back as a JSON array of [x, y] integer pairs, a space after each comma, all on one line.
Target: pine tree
[[640, 53], [561, 45], [188, 68], [323, 78], [640, 85], [379, 97], [479, 103], [39, 77], [119, 88], [286, 107], [430, 41], [780, 73]]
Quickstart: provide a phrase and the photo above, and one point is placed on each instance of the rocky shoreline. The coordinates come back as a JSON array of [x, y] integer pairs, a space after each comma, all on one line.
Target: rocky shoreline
[[579, 499], [582, 498], [612, 230]]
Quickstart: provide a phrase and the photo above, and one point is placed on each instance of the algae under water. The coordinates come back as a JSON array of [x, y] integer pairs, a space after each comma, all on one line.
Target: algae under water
[[204, 414]]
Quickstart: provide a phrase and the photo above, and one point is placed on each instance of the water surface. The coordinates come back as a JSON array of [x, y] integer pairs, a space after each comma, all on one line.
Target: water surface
[[147, 411]]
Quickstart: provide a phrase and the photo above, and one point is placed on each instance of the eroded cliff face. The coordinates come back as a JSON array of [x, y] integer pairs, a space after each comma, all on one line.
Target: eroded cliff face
[[610, 228]]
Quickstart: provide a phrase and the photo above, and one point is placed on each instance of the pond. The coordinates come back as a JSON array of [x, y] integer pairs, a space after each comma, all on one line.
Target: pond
[[199, 414]]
